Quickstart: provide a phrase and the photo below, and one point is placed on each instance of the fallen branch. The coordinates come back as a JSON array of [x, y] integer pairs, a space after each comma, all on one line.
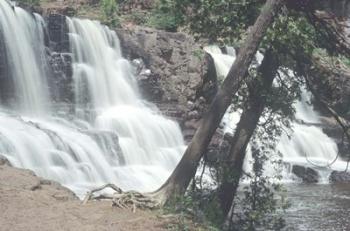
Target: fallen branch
[[90, 194], [125, 200]]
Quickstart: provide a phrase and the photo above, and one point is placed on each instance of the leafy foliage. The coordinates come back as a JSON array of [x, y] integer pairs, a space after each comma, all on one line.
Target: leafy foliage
[[30, 2], [292, 34], [217, 20], [165, 16], [109, 10], [259, 205], [198, 205]]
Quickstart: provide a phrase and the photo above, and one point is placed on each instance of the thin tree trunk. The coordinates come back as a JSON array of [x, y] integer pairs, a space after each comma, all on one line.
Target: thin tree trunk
[[178, 182], [245, 128]]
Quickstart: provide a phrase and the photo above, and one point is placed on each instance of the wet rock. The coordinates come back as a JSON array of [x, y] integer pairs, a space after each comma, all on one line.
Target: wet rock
[[58, 32], [7, 91], [60, 78], [307, 174], [146, 81], [4, 161], [339, 177]]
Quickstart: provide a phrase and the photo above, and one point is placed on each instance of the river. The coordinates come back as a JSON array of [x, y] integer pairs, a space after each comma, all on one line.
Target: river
[[323, 207]]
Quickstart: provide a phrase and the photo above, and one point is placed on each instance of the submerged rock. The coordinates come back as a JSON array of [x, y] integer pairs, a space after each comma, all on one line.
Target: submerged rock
[[308, 175], [339, 177]]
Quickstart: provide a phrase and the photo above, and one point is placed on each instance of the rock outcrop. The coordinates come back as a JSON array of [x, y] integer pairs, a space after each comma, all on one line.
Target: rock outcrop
[[306, 174], [59, 59], [339, 177], [181, 79]]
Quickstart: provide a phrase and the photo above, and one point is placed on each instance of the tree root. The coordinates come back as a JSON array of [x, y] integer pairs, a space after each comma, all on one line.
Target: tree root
[[126, 200]]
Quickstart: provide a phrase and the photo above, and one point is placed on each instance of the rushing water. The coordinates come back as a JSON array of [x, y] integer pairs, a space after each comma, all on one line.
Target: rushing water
[[23, 36], [308, 145], [313, 206], [113, 137], [318, 207]]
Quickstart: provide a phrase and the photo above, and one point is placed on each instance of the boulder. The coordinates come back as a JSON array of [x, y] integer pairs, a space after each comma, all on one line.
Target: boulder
[[4, 161], [339, 177], [307, 174]]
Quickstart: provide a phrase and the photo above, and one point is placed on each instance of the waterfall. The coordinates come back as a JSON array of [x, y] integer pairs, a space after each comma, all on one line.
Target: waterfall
[[145, 137], [308, 145], [113, 136], [24, 42]]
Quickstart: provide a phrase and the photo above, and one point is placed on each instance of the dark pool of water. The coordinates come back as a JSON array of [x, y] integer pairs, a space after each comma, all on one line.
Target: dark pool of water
[[318, 207]]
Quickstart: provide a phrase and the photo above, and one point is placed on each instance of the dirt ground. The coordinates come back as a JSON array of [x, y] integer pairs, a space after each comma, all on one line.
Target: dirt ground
[[29, 203]]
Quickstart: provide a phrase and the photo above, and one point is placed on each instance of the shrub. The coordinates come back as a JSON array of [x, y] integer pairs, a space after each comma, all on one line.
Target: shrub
[[261, 208], [109, 10], [165, 16], [29, 2]]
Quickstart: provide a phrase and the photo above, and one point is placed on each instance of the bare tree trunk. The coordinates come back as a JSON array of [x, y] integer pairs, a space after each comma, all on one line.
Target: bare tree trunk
[[178, 182], [255, 105]]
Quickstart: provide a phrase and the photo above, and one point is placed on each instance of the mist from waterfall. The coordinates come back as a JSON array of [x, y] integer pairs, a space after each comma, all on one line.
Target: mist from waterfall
[[308, 145], [113, 137]]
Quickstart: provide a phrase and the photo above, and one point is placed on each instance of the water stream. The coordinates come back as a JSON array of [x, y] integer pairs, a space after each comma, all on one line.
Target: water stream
[[111, 137], [307, 146], [314, 207]]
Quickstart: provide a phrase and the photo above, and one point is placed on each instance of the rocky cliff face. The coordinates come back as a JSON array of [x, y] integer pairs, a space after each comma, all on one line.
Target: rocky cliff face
[[59, 58], [177, 75]]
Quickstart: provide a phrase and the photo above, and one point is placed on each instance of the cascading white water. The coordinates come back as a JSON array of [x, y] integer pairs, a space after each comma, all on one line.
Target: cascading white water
[[146, 138], [123, 142], [24, 42], [308, 144]]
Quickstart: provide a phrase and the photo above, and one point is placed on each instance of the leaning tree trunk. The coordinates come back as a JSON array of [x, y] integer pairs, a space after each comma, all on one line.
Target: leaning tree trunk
[[178, 182], [232, 166]]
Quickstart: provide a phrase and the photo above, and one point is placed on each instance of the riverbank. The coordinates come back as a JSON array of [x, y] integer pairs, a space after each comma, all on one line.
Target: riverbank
[[30, 203]]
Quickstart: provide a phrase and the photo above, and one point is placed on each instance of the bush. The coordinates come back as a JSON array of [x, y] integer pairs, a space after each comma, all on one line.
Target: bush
[[261, 209], [165, 16], [137, 17], [29, 2], [109, 10]]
